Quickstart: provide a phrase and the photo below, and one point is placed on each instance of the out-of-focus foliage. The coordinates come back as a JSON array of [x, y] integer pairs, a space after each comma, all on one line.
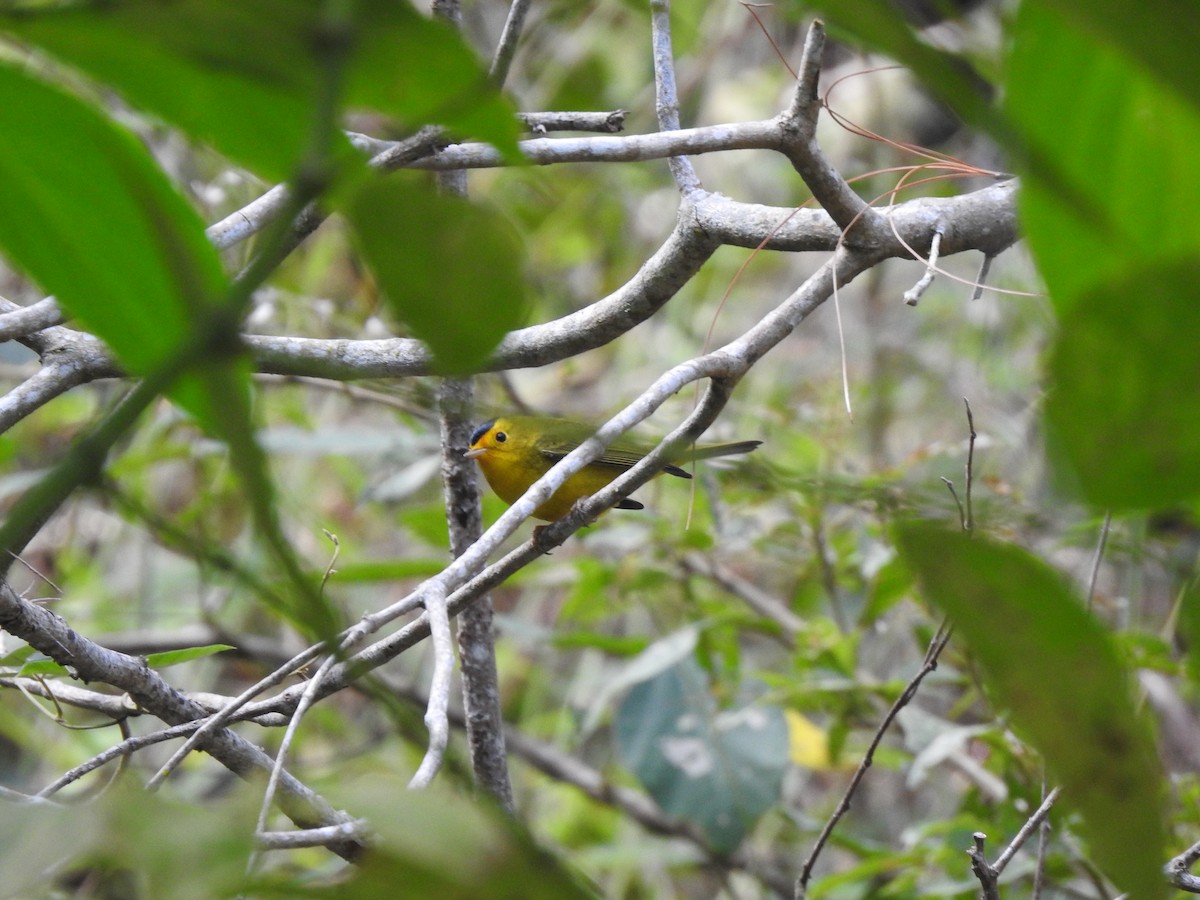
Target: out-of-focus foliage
[[163, 555]]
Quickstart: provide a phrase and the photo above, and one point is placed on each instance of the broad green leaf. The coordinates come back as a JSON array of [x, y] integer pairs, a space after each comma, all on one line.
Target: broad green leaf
[[43, 667], [246, 77], [1160, 37], [85, 212], [17, 657], [1054, 667], [440, 843], [421, 72], [35, 839], [179, 850], [1120, 141], [187, 654], [718, 769], [451, 270], [1123, 411], [664, 654]]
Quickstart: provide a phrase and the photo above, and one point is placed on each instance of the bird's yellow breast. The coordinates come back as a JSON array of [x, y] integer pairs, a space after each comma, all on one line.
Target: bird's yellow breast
[[511, 458]]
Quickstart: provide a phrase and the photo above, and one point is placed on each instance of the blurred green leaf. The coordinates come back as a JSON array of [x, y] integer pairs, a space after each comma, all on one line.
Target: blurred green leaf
[[90, 217], [661, 656], [245, 77], [451, 270], [718, 769], [187, 654], [1124, 144], [441, 843], [879, 25], [1140, 30], [35, 841], [179, 850], [1053, 665], [1123, 412]]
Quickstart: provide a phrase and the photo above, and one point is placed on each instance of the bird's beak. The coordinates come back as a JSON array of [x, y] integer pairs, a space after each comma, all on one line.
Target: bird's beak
[[475, 452]]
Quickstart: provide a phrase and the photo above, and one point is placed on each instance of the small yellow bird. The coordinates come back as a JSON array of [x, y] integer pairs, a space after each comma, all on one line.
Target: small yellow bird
[[515, 451]]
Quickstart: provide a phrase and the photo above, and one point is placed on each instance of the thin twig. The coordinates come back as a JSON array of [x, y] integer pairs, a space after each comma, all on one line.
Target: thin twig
[[506, 47], [289, 735], [985, 267], [51, 635], [666, 96], [969, 526], [913, 295], [1030, 826], [1095, 573], [936, 646], [962, 513], [1039, 869]]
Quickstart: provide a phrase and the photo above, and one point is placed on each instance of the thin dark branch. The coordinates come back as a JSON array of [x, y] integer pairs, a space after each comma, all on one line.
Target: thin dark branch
[[969, 523], [1098, 558], [476, 632], [936, 646], [962, 513], [1031, 825]]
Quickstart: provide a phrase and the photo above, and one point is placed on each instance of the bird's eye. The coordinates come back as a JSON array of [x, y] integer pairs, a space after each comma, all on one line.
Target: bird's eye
[[501, 437]]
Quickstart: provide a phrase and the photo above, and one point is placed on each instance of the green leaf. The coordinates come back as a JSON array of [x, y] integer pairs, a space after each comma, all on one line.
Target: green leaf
[[88, 215], [43, 667], [451, 270], [422, 72], [246, 77], [17, 657], [1115, 138], [187, 654], [719, 769], [1055, 668], [1159, 37], [439, 843], [1123, 412]]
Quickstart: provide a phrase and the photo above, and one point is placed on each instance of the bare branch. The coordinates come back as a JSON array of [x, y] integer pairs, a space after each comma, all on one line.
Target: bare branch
[[913, 295], [356, 830], [476, 633], [666, 97], [1031, 825], [439, 688], [26, 320], [48, 633], [988, 876], [506, 47], [936, 646], [599, 122]]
